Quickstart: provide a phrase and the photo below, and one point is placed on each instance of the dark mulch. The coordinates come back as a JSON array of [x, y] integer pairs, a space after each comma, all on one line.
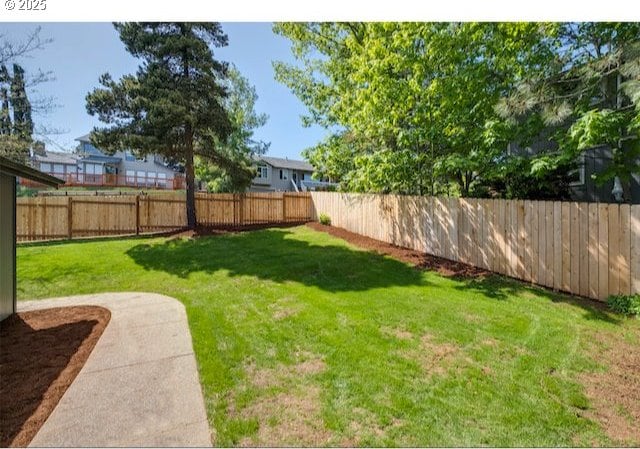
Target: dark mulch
[[41, 354], [203, 231], [421, 260]]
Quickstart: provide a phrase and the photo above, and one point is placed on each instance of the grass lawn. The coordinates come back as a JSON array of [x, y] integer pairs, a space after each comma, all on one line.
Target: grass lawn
[[303, 339]]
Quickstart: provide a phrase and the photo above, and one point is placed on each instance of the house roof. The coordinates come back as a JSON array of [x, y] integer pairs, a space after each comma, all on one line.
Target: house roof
[[102, 159], [57, 158], [292, 164], [12, 168], [84, 138]]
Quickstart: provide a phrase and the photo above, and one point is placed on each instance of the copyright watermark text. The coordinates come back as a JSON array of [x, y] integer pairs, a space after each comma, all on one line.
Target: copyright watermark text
[[25, 5]]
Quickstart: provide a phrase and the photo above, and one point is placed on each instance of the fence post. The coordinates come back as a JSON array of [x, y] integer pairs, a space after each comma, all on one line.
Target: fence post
[[138, 214], [284, 206], [241, 212], [70, 217]]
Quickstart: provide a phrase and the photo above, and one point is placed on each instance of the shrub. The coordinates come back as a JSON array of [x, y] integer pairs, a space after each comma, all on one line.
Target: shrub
[[625, 304], [325, 219]]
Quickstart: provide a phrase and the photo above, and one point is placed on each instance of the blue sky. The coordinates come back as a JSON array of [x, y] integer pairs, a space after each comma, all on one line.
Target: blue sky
[[81, 52]]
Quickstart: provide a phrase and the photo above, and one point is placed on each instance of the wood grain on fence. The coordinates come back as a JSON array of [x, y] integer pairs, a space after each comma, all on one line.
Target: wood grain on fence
[[586, 249], [47, 218]]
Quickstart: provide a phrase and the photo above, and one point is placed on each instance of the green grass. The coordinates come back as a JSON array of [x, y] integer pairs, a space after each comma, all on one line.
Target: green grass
[[402, 357]]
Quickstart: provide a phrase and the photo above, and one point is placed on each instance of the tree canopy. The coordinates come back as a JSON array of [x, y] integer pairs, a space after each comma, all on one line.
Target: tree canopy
[[240, 147], [428, 107], [174, 104]]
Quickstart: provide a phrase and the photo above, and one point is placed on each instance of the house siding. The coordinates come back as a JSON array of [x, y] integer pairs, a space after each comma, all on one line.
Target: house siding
[[596, 161], [274, 183], [7, 245]]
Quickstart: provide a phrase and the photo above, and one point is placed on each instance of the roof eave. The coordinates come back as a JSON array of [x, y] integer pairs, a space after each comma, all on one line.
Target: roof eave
[[12, 168]]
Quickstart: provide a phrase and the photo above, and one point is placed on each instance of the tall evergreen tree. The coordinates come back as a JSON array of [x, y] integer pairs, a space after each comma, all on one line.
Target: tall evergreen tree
[[5, 112], [5, 115], [22, 121], [173, 105]]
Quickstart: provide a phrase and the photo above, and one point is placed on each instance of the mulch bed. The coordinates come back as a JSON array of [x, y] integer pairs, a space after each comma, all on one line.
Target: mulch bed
[[421, 260], [41, 354]]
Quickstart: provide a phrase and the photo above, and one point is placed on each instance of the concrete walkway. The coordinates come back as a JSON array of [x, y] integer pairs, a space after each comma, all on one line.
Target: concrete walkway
[[140, 385]]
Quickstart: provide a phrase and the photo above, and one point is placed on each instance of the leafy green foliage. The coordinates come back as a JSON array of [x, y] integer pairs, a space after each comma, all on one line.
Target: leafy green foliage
[[239, 148], [324, 219], [413, 103], [625, 304], [174, 104], [431, 107], [590, 94]]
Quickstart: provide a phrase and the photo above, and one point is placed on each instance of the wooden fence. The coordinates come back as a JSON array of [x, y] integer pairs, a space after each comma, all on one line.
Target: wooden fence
[[588, 249], [46, 218]]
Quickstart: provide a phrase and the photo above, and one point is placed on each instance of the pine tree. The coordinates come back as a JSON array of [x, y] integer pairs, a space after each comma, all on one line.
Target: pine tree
[[5, 113], [173, 105], [22, 122]]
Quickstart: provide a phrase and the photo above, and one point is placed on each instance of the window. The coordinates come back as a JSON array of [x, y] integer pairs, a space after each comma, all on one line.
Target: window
[[141, 175], [262, 172], [576, 177], [302, 176], [162, 180], [93, 169], [283, 174], [45, 167], [131, 177], [58, 169], [128, 156]]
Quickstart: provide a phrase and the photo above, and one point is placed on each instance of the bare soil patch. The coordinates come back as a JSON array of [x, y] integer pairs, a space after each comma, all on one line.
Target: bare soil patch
[[615, 393], [288, 419], [421, 260], [309, 365], [41, 354], [291, 417], [400, 334], [436, 356]]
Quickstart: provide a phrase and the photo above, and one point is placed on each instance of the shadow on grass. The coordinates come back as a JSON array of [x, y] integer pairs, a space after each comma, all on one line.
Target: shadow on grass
[[276, 255], [499, 287]]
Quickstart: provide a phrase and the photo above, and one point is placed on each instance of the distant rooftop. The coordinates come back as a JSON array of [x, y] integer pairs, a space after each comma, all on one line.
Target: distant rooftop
[[292, 164], [57, 158]]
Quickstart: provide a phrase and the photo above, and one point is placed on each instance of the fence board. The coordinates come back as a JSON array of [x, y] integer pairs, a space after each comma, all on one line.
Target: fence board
[[635, 248], [614, 249], [557, 245], [583, 219], [593, 250], [624, 257], [603, 251]]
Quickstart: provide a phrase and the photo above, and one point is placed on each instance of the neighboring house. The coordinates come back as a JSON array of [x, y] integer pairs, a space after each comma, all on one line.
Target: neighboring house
[[592, 161], [91, 167], [275, 174]]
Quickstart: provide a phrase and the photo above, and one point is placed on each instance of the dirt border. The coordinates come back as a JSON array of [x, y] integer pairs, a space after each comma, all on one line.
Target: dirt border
[[421, 260], [41, 354]]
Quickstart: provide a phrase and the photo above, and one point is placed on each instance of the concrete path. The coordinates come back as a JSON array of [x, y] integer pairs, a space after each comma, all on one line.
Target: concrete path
[[140, 385]]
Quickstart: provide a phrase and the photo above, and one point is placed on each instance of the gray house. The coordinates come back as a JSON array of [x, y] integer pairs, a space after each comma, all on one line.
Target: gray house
[[275, 174], [9, 172], [592, 161], [89, 166]]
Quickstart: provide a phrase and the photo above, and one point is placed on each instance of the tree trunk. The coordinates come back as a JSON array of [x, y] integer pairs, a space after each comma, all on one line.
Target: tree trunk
[[190, 179]]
